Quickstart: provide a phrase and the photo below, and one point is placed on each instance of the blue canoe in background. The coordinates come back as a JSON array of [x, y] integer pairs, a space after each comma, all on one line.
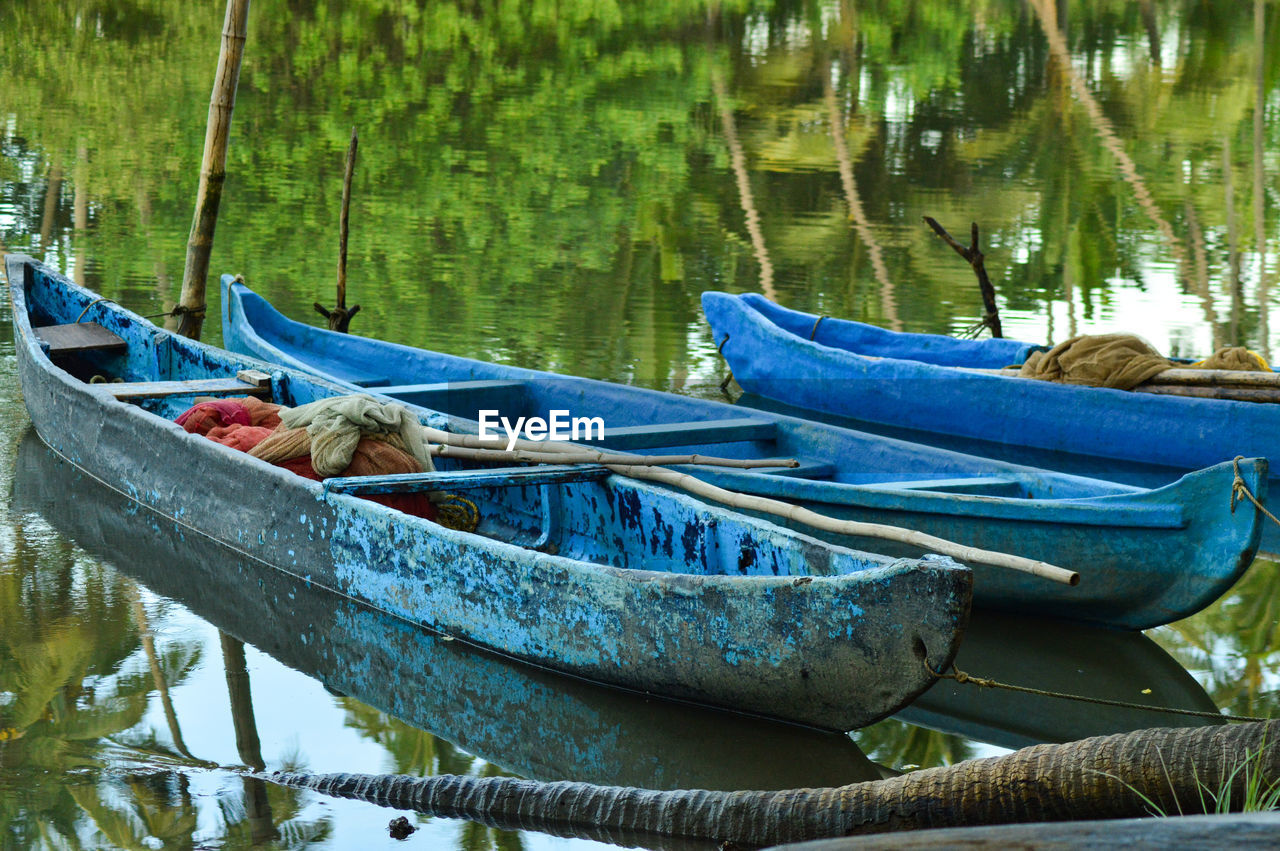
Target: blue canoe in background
[[1145, 557], [923, 383], [590, 574]]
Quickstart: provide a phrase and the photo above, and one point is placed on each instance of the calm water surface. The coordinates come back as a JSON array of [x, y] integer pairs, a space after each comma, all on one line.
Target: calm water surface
[[553, 185]]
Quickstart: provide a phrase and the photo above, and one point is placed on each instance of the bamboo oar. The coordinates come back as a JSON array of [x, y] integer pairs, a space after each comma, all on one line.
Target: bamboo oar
[[560, 452], [1232, 394], [765, 505], [557, 451], [1240, 385], [589, 456]]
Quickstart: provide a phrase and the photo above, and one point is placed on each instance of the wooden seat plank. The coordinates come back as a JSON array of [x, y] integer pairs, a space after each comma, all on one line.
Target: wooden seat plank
[[197, 387], [79, 337], [975, 484]]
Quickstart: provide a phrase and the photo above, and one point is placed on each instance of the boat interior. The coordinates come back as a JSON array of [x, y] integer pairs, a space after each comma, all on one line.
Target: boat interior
[[648, 422], [578, 512]]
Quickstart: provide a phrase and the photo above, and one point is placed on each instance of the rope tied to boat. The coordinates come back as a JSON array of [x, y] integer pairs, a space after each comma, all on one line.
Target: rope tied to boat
[[1240, 489], [97, 300], [983, 682], [814, 332], [729, 375]]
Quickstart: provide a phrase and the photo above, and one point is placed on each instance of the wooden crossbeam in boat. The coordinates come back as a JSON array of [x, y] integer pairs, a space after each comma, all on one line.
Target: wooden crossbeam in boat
[[248, 382], [496, 394], [450, 480], [79, 337], [688, 433], [446, 386], [973, 484]]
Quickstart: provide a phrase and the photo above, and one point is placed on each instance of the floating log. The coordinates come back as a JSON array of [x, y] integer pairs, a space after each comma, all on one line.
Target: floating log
[[1120, 776]]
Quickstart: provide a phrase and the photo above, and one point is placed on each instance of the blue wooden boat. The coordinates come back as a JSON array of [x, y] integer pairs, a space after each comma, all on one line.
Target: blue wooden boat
[[649, 590], [902, 381], [1146, 557], [549, 727], [534, 722]]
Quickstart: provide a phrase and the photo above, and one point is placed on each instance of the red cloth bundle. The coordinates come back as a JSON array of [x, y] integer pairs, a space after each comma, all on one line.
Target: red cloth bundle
[[204, 416], [244, 423], [242, 437]]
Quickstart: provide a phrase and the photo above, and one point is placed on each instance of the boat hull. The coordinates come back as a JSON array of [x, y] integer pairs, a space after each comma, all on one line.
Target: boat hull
[[533, 722], [1146, 557], [818, 636], [920, 382]]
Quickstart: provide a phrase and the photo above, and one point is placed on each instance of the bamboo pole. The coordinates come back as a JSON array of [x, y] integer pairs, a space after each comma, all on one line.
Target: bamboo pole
[[80, 211], [1244, 385], [796, 514], [588, 456], [1231, 394], [213, 170], [559, 452], [1262, 297], [340, 318]]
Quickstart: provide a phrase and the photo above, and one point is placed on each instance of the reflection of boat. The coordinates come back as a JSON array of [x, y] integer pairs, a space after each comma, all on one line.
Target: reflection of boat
[[1145, 557], [1093, 663], [904, 380], [536, 723], [592, 574]]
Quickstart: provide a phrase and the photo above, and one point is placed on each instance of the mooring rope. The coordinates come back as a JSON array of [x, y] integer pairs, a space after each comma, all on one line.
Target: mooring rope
[[962, 677], [89, 305], [813, 333], [729, 376], [1239, 489]]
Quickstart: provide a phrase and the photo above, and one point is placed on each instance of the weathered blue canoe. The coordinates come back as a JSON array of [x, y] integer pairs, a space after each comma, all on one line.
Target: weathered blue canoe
[[904, 381], [534, 722], [1146, 557], [649, 590]]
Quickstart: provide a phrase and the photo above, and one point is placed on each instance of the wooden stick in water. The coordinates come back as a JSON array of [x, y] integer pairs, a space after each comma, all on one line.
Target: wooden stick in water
[[213, 170], [340, 318], [974, 257]]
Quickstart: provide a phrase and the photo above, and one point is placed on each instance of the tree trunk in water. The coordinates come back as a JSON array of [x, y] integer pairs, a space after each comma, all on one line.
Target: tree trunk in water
[[1101, 777]]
